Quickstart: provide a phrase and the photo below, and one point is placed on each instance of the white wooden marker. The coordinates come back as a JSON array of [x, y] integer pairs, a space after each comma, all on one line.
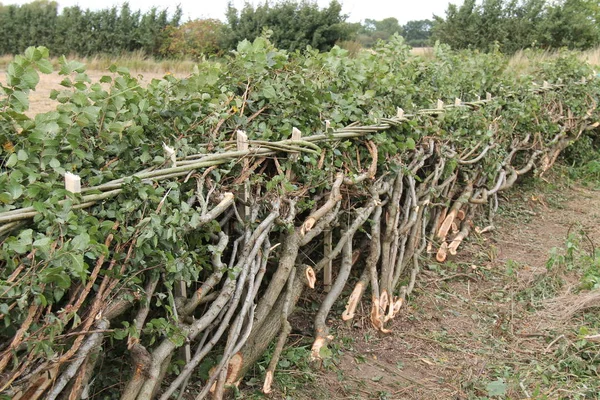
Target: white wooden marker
[[72, 183], [170, 154]]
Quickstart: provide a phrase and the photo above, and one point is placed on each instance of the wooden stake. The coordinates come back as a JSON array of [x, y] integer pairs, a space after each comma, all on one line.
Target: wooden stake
[[242, 145], [72, 183], [296, 135], [170, 154]]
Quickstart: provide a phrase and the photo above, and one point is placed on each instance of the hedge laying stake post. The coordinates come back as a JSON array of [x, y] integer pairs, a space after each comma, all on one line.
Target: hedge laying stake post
[[72, 183], [242, 145], [294, 156]]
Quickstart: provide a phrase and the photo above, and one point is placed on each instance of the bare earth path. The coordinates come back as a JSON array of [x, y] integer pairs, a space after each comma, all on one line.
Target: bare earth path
[[475, 327]]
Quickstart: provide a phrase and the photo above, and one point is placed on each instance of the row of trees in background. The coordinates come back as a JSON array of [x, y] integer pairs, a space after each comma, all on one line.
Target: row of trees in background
[[416, 33], [294, 25], [518, 24], [83, 32]]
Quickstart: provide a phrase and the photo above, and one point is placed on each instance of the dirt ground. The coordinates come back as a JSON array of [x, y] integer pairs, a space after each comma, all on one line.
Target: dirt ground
[[472, 328]]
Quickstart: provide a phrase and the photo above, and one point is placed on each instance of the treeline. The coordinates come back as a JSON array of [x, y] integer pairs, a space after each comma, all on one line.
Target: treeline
[[291, 25], [415, 33], [518, 24], [294, 25], [83, 32]]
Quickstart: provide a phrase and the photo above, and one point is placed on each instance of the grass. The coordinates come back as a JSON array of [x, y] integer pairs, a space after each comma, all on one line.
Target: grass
[[569, 366], [140, 62], [136, 61], [522, 60]]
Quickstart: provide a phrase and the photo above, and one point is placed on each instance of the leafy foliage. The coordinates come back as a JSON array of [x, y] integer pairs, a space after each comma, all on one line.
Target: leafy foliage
[[294, 25], [194, 39], [520, 24], [151, 231], [416, 33], [83, 32]]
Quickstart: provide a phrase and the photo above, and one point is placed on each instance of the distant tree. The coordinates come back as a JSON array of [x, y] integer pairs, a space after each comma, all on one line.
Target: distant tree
[[518, 24], [84, 32], [194, 39], [571, 23], [459, 28], [295, 25], [27, 25], [417, 33]]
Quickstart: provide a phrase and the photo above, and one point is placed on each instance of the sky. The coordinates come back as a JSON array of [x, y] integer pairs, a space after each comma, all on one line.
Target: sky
[[357, 10]]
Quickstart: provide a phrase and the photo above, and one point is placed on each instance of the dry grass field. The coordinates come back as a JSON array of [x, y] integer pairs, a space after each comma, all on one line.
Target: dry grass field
[[40, 102], [146, 68]]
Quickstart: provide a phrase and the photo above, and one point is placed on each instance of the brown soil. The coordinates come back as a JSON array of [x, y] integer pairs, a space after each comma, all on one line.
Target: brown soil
[[465, 322]]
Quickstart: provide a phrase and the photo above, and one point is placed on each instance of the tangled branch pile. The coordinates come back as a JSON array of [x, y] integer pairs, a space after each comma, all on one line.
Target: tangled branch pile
[[210, 203]]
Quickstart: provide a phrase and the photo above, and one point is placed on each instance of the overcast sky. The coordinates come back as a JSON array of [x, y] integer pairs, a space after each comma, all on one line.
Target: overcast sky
[[358, 10]]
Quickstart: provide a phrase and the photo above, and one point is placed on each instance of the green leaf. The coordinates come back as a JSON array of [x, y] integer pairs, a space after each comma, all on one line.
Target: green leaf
[[91, 112], [12, 160], [68, 67], [54, 163], [325, 353], [56, 275], [45, 66], [22, 155], [19, 101], [81, 241], [43, 242], [58, 294], [15, 189], [76, 266], [496, 388], [21, 245], [30, 79], [269, 92]]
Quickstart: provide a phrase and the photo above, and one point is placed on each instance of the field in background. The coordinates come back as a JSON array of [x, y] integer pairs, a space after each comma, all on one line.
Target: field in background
[[40, 102], [136, 61], [522, 59]]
